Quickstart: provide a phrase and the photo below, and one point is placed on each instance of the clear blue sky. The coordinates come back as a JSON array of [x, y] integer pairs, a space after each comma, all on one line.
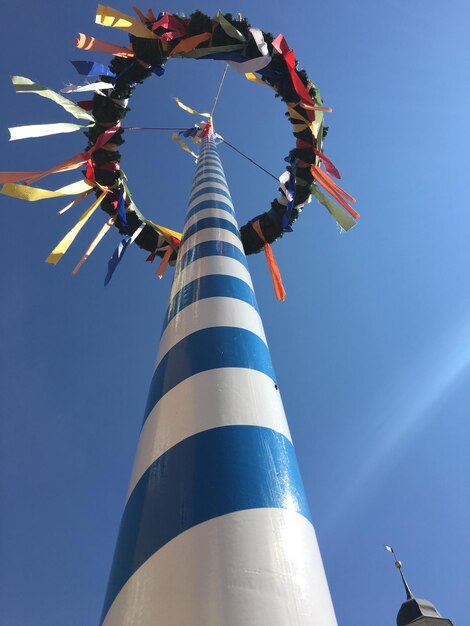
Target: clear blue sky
[[371, 346]]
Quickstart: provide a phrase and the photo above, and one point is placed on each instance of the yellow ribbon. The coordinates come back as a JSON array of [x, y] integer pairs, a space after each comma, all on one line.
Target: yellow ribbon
[[74, 202], [102, 232], [65, 243], [166, 233], [182, 143], [25, 192], [107, 16], [189, 109], [22, 84]]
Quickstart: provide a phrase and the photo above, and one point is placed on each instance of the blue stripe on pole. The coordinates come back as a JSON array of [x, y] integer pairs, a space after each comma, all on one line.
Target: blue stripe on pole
[[210, 189], [213, 248], [209, 179], [212, 473], [210, 222], [209, 170], [229, 347], [210, 286], [210, 162], [206, 166], [212, 177], [210, 204]]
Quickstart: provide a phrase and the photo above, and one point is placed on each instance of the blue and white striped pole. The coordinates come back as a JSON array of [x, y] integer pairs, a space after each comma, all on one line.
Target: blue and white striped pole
[[216, 529]]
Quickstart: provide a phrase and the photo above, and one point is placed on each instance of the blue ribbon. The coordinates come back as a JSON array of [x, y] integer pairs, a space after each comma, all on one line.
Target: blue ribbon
[[158, 70], [116, 258], [90, 68], [121, 209]]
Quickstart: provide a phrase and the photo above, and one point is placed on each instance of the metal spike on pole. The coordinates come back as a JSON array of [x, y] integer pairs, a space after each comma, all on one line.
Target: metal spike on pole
[[216, 530]]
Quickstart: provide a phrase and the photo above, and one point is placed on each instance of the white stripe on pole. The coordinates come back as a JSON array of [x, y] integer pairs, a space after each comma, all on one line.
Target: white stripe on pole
[[219, 213], [221, 397], [206, 313], [208, 266], [248, 568]]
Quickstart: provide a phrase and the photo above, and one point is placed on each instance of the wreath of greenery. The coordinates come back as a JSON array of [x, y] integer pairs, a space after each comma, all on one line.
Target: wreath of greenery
[[150, 56]]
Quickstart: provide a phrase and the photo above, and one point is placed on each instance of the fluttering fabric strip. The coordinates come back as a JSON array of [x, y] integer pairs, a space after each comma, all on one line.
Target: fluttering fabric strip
[[185, 487]]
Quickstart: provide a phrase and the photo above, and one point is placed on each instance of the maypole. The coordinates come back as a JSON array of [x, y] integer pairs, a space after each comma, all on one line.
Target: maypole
[[216, 530]]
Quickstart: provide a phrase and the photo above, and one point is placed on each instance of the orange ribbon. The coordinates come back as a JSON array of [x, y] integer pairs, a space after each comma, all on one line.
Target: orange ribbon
[[334, 190], [164, 262], [190, 43], [272, 265]]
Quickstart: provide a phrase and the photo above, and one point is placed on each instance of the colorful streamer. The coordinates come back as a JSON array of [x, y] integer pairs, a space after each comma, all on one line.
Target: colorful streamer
[[32, 194], [106, 16], [189, 109], [101, 233], [230, 30], [119, 253], [43, 130], [65, 243], [22, 84], [86, 42], [90, 68], [345, 221]]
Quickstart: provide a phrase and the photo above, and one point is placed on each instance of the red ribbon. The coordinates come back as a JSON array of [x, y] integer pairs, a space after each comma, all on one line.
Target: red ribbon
[[280, 44], [175, 28], [329, 165]]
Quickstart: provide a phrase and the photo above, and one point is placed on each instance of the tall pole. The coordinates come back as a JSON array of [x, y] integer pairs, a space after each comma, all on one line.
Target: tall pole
[[216, 530]]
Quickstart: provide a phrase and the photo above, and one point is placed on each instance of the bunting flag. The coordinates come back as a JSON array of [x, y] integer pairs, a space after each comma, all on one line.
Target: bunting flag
[[119, 253], [32, 194], [101, 233], [43, 130], [90, 68], [86, 42], [106, 16], [22, 84], [65, 243]]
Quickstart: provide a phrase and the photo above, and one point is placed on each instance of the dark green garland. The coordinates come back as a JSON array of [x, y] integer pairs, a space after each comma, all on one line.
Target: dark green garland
[[130, 72]]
